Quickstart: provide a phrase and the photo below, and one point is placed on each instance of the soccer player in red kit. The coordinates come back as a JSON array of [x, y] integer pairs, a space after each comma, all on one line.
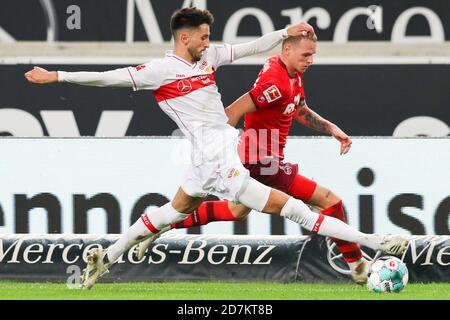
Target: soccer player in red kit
[[278, 97]]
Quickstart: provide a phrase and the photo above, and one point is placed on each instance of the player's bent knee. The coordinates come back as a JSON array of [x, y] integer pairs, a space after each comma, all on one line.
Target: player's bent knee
[[334, 199], [325, 198]]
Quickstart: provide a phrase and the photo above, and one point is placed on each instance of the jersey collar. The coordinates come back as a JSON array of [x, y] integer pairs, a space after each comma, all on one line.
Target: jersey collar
[[172, 55]]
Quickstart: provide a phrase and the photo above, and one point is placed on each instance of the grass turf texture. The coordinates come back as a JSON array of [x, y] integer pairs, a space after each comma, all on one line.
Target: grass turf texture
[[217, 291]]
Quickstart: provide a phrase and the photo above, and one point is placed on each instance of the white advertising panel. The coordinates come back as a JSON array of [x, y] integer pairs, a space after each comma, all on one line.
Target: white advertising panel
[[93, 184]]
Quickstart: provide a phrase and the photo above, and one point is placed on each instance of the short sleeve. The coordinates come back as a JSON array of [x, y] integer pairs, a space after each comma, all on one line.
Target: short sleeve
[[267, 91], [219, 55], [147, 76]]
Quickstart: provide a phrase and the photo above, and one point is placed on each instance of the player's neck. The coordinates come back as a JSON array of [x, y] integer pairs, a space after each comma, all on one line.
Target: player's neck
[[291, 71], [183, 54]]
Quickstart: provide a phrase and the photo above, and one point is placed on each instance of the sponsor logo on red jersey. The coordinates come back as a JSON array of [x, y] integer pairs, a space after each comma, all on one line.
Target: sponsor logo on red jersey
[[289, 108]]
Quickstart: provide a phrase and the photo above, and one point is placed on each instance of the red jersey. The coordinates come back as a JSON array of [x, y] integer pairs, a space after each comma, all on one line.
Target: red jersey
[[276, 96]]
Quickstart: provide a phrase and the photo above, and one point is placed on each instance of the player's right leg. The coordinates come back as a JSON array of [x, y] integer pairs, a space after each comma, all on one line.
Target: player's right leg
[[257, 196], [99, 260]]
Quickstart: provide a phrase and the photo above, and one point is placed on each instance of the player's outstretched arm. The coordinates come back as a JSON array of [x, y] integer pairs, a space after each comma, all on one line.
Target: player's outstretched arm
[[239, 108], [270, 40], [314, 121], [114, 78]]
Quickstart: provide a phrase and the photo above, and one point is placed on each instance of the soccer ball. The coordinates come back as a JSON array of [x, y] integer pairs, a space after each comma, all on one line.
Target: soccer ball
[[387, 274]]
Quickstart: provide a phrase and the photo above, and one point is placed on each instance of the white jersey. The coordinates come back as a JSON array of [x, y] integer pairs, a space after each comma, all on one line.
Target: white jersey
[[188, 94]]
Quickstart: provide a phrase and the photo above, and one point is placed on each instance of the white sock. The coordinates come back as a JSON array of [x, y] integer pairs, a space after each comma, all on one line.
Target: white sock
[[134, 234], [166, 215], [299, 212], [143, 228]]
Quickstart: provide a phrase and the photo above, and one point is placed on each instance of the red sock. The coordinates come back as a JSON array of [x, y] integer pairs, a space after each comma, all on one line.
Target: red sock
[[208, 211], [351, 251]]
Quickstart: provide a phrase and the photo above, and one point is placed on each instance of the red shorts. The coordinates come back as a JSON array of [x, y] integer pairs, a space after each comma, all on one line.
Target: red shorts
[[281, 176]]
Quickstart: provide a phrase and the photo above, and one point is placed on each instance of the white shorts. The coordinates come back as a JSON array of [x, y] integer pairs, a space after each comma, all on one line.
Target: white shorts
[[223, 176]]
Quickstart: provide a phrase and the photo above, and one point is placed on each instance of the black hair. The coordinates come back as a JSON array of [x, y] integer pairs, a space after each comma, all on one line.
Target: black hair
[[190, 18]]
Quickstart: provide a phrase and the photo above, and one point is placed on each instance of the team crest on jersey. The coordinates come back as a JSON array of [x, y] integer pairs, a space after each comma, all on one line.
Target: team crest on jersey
[[272, 93], [286, 168], [140, 67], [233, 173], [206, 67], [209, 69]]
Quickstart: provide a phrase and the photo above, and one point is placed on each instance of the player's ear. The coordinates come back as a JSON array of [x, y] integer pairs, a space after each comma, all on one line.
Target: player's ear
[[287, 47], [184, 37]]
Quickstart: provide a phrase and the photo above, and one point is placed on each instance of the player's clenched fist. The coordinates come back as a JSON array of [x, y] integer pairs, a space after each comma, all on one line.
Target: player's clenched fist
[[301, 28], [41, 76]]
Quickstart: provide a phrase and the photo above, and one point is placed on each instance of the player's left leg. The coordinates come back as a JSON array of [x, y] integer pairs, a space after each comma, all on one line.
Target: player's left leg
[[331, 205], [255, 195], [99, 260]]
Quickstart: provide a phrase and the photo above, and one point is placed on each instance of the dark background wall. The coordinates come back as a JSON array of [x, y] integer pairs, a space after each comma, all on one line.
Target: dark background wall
[[361, 99]]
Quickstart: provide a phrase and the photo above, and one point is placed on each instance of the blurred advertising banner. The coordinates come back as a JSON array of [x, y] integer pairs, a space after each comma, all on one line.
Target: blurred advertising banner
[[145, 20], [61, 258], [404, 100], [171, 258], [102, 185]]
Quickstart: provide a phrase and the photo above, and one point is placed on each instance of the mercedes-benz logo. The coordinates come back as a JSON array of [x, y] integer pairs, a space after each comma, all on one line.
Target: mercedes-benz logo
[[184, 86], [336, 260]]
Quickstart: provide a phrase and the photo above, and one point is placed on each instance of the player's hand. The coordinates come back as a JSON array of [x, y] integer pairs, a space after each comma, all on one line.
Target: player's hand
[[301, 28], [41, 76], [344, 139]]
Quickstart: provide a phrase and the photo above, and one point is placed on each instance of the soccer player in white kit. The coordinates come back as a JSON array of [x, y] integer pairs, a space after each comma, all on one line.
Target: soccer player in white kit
[[183, 83]]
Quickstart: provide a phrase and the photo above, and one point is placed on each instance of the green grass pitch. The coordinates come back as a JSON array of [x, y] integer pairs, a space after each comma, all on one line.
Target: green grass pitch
[[217, 291]]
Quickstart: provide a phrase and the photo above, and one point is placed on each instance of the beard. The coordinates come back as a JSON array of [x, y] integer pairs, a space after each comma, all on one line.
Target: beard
[[195, 54]]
